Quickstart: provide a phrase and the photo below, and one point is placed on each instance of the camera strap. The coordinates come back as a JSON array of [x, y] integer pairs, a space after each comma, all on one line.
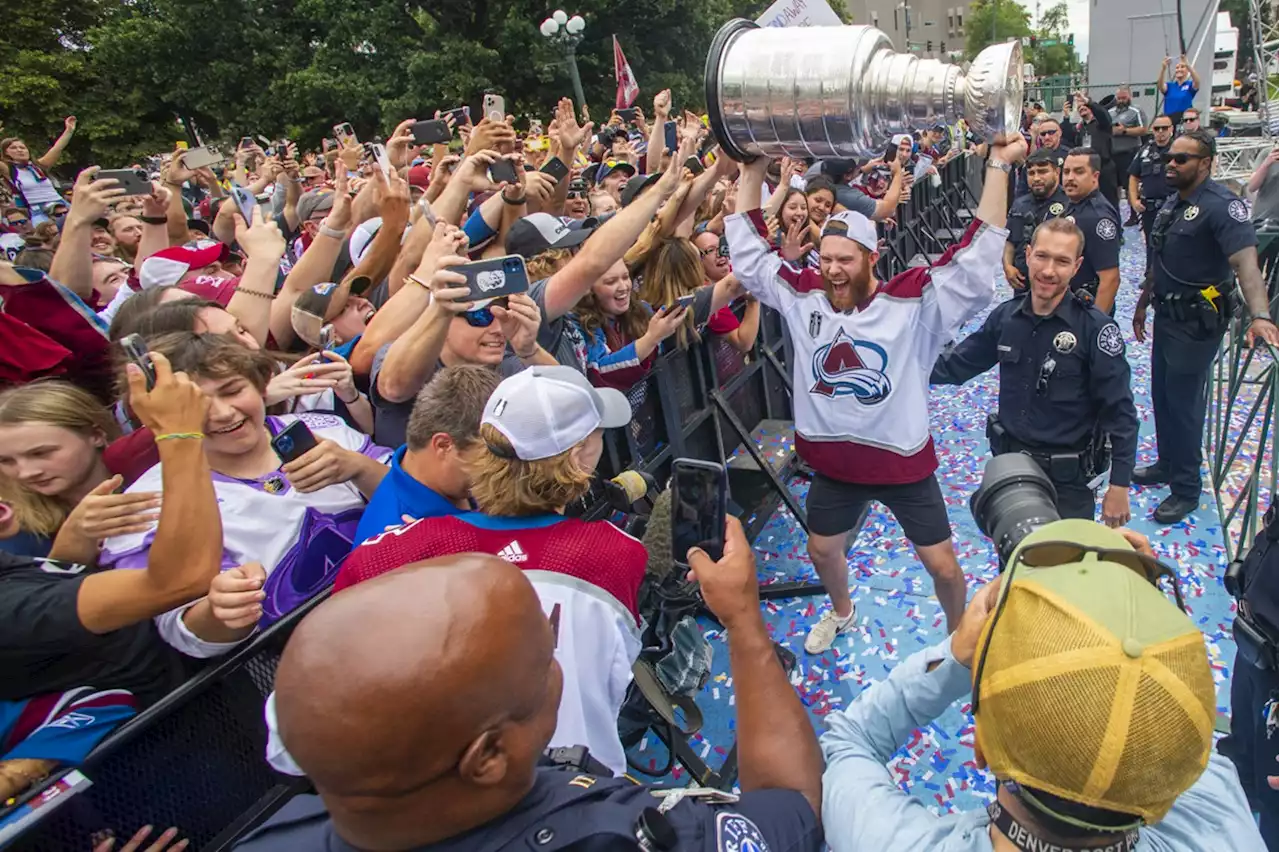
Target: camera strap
[[1025, 837]]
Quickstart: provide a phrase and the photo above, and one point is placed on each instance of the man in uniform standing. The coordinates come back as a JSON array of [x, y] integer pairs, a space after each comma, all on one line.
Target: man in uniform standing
[[419, 704], [1095, 133], [1147, 186], [1128, 126], [1064, 380], [1200, 236], [1045, 200], [1099, 275]]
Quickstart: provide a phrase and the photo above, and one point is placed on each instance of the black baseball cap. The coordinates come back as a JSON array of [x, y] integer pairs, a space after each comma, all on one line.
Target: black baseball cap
[[1042, 156], [636, 185], [539, 232]]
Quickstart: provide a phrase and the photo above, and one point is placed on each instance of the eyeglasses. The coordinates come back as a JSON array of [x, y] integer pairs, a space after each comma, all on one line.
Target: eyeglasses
[[576, 193], [1047, 554], [706, 251], [1182, 157]]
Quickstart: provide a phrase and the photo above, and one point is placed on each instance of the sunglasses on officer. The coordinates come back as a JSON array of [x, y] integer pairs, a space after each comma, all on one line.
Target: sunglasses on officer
[[1181, 157], [1048, 554]]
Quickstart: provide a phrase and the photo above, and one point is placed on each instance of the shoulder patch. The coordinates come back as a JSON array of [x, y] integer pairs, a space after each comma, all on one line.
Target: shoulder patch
[[1106, 229], [736, 833], [1110, 340], [1238, 211]]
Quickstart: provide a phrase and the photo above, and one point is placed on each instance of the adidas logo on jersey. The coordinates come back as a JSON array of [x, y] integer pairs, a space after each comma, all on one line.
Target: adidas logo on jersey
[[513, 552]]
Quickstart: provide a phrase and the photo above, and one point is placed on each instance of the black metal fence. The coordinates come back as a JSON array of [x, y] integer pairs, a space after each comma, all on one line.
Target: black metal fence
[[196, 759]]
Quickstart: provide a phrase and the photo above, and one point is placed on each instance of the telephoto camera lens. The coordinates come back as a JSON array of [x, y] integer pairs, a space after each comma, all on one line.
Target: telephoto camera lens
[[1015, 497]]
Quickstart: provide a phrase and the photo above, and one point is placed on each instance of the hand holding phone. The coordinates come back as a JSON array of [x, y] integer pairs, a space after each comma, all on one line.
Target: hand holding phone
[[503, 171], [699, 503], [345, 135], [294, 441], [132, 181], [135, 349], [494, 277], [245, 203], [495, 108]]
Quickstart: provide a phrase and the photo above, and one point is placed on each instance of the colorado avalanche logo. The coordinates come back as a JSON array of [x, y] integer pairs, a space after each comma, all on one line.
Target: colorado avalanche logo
[[847, 366]]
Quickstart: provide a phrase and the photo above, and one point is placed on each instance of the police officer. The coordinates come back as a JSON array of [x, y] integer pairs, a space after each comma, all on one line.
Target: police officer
[[419, 705], [1147, 187], [1201, 234], [1046, 200], [1048, 133], [1098, 278], [1252, 581], [1064, 380]]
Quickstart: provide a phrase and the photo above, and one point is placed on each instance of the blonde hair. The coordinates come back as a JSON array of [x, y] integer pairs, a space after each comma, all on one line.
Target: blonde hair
[[547, 263], [513, 487], [673, 269], [56, 403]]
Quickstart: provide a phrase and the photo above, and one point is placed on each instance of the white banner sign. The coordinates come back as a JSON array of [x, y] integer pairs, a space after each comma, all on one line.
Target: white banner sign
[[799, 13]]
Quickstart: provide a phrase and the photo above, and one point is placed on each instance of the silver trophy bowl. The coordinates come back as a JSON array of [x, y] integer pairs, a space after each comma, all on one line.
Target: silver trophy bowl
[[827, 92]]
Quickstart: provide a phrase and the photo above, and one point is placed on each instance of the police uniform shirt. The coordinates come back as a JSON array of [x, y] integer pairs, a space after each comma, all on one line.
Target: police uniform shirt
[[1100, 222], [1203, 231], [566, 808], [1025, 215], [1049, 366], [1148, 167]]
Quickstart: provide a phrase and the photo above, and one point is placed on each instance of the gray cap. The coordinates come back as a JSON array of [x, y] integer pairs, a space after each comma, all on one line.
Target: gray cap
[[313, 202]]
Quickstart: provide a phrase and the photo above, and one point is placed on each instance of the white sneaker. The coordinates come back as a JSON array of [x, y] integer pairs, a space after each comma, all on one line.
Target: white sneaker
[[824, 633]]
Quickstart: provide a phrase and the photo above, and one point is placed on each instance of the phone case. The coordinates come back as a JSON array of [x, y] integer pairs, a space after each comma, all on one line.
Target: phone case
[[721, 508], [133, 181], [345, 135], [502, 171], [495, 108], [135, 349], [295, 441], [245, 203], [199, 158], [555, 168], [495, 276], [434, 131]]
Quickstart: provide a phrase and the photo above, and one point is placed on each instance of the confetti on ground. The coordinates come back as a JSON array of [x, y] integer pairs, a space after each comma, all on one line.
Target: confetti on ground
[[897, 613]]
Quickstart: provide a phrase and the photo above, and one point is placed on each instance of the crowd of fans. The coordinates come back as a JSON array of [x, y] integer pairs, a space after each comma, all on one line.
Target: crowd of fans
[[152, 514]]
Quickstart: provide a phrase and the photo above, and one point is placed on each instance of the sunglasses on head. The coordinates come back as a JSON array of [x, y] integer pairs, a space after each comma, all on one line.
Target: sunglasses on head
[[1181, 157], [1047, 554]]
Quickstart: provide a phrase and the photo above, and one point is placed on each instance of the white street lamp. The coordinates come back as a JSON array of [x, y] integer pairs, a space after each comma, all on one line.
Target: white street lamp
[[566, 33], [559, 17]]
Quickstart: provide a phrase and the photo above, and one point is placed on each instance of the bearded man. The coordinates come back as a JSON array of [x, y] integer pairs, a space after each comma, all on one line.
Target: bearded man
[[863, 353]]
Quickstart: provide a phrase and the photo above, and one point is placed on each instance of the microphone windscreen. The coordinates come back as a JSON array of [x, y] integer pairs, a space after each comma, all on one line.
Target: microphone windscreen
[[657, 537]]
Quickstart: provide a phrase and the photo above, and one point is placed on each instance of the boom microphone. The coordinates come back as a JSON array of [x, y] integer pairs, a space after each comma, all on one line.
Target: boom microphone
[[657, 538]]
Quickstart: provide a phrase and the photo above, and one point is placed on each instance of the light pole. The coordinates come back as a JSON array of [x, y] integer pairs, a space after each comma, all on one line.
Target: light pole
[[565, 33]]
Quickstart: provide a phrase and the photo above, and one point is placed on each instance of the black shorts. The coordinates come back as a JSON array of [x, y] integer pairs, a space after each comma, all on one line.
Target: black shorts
[[833, 507]]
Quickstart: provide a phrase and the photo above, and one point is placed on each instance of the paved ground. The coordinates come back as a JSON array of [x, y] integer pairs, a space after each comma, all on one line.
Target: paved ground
[[897, 613]]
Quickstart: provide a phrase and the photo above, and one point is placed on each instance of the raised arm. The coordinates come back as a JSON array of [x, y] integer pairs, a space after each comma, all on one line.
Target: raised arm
[[50, 158], [609, 244], [316, 264], [411, 360], [187, 551], [72, 265], [1195, 78], [263, 245]]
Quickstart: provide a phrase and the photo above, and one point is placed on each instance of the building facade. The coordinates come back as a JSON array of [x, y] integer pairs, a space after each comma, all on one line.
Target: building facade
[[932, 28]]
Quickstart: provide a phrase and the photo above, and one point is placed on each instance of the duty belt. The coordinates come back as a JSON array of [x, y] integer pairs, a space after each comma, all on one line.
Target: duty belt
[[1209, 305], [1061, 464]]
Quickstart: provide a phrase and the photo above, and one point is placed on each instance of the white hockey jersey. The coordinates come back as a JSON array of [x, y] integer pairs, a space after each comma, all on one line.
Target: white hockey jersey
[[860, 379]]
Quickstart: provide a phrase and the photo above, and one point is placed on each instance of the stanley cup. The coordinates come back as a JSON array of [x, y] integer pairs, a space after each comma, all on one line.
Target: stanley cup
[[827, 92]]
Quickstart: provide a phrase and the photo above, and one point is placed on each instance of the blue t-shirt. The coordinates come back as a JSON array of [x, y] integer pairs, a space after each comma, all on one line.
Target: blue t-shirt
[[1178, 96], [400, 494], [26, 544]]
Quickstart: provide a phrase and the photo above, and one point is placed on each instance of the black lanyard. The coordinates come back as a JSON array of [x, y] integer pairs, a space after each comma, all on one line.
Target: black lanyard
[[1027, 840]]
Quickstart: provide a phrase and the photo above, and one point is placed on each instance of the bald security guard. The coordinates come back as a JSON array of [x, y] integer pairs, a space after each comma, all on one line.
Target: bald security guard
[[1064, 380], [1201, 235], [1046, 200], [1099, 221], [419, 703]]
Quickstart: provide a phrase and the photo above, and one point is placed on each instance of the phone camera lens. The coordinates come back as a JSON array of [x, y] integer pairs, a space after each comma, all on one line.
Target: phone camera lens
[[511, 265], [286, 444]]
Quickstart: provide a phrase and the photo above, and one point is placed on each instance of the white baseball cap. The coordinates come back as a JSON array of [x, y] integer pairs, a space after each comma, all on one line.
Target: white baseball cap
[[545, 411], [853, 226]]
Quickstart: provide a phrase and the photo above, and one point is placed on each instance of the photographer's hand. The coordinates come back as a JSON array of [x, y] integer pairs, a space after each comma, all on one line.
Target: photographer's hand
[[964, 642]]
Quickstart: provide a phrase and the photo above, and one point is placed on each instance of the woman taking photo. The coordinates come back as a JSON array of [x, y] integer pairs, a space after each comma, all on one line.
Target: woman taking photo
[[295, 521], [25, 180], [53, 477]]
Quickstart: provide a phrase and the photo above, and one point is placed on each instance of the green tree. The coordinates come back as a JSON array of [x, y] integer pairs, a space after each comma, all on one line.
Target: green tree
[[1060, 58], [992, 22]]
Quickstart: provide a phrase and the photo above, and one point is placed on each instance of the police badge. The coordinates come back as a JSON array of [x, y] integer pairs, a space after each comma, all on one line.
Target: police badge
[[1064, 342], [1191, 213], [1056, 208]]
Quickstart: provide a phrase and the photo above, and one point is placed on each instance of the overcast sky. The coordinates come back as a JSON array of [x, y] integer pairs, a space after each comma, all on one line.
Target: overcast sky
[[1078, 12]]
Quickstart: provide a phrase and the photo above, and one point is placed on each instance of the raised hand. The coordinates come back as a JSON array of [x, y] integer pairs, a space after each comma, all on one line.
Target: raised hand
[[92, 198]]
